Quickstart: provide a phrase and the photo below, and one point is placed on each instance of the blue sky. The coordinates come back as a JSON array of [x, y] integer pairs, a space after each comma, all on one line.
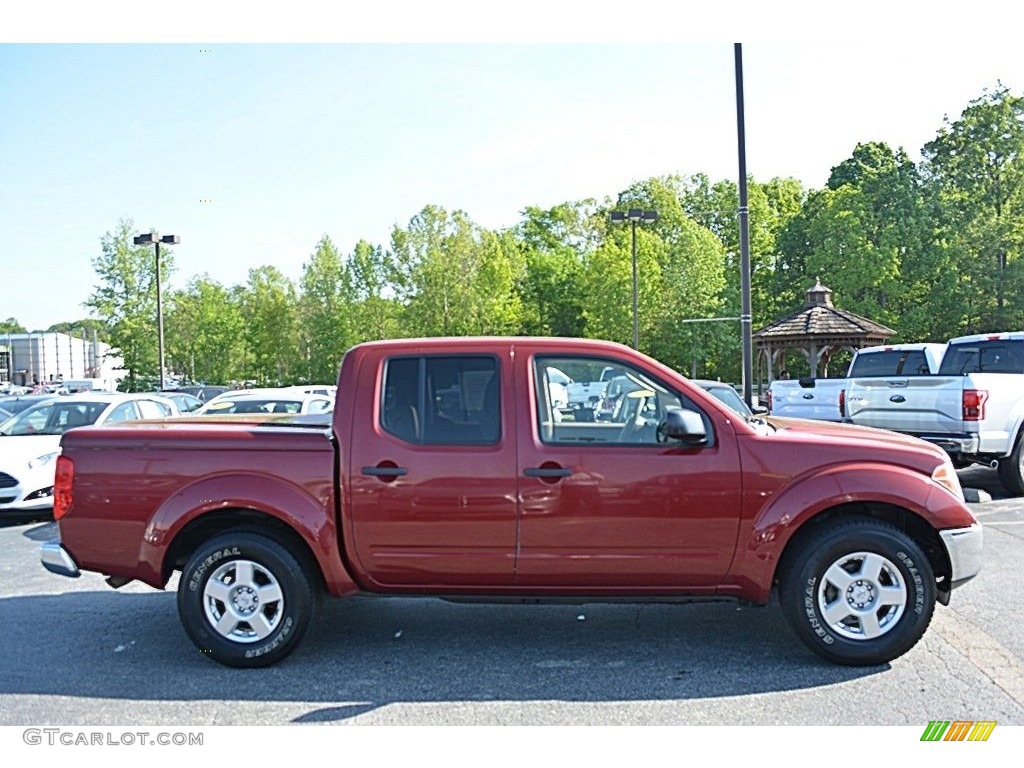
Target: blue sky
[[291, 142]]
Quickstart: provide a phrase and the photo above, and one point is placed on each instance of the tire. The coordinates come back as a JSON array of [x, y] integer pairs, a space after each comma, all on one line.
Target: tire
[[1011, 470], [244, 600], [859, 592]]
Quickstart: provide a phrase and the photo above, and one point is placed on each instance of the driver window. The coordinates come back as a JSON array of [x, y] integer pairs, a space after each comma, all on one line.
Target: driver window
[[604, 401]]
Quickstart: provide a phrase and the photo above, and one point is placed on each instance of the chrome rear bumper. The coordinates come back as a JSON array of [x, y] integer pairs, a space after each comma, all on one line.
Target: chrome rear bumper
[[56, 559]]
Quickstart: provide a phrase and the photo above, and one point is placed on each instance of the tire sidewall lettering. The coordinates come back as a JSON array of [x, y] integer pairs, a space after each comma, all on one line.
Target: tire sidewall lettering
[[196, 580], [915, 578], [281, 635]]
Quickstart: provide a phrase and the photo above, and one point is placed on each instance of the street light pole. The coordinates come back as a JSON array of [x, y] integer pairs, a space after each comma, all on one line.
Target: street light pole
[[636, 309], [155, 240], [159, 318], [634, 215]]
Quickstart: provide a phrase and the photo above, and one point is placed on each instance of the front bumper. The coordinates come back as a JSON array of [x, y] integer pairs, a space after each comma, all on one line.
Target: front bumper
[[58, 560], [963, 545]]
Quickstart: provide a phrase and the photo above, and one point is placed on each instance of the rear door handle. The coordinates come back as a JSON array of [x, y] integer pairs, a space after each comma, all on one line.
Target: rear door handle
[[385, 471], [547, 472]]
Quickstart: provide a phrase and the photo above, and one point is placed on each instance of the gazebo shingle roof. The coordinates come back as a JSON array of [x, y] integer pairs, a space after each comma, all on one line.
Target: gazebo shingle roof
[[820, 321]]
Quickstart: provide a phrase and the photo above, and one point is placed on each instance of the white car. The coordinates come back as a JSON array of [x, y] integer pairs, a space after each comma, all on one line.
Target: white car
[[30, 440], [268, 400]]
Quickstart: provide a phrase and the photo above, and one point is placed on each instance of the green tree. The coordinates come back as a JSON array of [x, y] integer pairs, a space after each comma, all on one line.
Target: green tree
[[270, 312], [326, 313], [376, 311], [977, 165], [455, 278], [553, 242], [84, 328], [679, 275], [125, 299], [204, 332], [10, 325]]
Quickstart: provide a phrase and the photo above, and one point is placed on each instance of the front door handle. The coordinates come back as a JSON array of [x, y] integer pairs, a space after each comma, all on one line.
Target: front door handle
[[547, 472]]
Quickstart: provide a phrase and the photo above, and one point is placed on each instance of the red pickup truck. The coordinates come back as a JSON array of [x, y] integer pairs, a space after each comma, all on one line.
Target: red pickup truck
[[446, 471]]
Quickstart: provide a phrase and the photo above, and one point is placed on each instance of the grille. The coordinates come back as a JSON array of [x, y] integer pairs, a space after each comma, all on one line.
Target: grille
[[6, 481]]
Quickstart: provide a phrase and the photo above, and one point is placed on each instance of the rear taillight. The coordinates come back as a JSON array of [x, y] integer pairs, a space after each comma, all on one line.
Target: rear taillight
[[769, 401], [974, 404], [842, 403], [64, 477]]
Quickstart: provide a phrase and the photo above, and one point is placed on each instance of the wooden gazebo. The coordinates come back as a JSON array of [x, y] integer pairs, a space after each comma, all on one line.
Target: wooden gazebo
[[817, 331]]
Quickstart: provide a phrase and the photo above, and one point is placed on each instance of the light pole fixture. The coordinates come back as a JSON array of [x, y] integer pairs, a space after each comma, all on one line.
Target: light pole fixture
[[154, 239], [634, 215]]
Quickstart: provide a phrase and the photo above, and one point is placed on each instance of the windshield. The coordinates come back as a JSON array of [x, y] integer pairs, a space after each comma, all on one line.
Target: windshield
[[728, 396], [52, 418], [255, 406]]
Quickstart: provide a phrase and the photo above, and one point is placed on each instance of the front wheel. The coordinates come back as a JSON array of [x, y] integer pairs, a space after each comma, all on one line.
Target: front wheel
[[244, 600], [858, 592]]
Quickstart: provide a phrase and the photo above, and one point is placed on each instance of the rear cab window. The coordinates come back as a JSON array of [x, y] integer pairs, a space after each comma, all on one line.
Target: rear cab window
[[890, 362], [442, 399], [987, 356]]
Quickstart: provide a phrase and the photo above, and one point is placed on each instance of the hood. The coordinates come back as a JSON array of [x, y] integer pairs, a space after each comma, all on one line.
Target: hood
[[853, 439], [21, 449]]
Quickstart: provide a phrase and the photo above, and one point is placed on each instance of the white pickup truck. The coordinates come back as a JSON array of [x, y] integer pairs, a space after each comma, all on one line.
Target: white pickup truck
[[823, 399], [973, 407]]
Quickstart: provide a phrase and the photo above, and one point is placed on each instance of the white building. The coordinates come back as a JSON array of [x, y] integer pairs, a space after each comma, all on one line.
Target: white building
[[31, 358]]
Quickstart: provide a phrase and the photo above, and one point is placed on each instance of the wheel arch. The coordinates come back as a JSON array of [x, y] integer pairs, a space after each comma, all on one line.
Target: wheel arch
[[289, 514], [915, 526], [204, 527]]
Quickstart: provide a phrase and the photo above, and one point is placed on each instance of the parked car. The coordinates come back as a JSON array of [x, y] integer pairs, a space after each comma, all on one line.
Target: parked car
[[185, 402], [727, 394], [483, 493], [30, 440], [204, 392], [973, 407], [268, 400], [328, 390]]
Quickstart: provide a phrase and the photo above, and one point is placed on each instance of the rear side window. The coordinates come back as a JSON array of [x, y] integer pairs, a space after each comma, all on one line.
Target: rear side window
[[891, 362], [444, 400], [996, 356]]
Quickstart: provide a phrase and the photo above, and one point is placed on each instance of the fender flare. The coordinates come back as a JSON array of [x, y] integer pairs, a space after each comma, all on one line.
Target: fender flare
[[764, 539], [309, 517]]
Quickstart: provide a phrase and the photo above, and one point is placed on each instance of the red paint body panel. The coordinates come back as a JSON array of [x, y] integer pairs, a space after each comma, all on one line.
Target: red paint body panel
[[627, 521]]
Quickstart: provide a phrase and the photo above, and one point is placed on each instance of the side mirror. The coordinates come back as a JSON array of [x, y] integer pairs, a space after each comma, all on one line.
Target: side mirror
[[684, 425]]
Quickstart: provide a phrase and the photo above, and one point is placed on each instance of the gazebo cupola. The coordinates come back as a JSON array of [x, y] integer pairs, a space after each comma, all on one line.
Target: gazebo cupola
[[817, 331]]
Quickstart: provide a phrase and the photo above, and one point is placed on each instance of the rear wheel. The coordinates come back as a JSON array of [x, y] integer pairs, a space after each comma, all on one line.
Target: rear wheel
[[1011, 470], [244, 600], [858, 592]]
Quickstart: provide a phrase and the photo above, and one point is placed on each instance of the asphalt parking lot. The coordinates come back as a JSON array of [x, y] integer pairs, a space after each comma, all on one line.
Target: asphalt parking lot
[[79, 653]]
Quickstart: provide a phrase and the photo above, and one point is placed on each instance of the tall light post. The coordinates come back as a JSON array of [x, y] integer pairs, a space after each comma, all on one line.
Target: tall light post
[[634, 215], [153, 238]]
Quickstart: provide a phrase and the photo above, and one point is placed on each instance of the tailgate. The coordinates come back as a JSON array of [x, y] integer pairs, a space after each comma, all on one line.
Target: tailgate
[[913, 404], [799, 400]]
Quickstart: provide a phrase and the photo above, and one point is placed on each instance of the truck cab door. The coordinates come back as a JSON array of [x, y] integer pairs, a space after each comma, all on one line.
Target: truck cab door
[[613, 505], [430, 463]]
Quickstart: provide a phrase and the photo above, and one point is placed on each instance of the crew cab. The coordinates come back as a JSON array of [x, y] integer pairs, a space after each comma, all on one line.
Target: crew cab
[[973, 408], [445, 470]]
